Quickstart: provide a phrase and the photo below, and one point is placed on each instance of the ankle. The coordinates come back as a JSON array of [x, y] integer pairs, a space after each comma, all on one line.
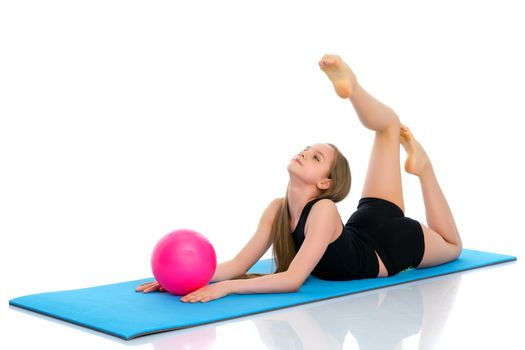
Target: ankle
[[427, 172], [355, 89]]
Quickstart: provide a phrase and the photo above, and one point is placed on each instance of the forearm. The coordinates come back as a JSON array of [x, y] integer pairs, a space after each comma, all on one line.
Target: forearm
[[226, 271], [273, 283], [372, 113]]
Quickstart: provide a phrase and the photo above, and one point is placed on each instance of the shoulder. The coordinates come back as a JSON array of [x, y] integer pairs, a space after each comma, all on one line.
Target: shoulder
[[324, 205], [324, 212], [277, 202], [272, 209]]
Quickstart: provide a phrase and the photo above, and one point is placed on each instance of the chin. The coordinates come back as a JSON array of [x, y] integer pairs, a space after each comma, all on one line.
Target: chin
[[291, 170], [295, 177]]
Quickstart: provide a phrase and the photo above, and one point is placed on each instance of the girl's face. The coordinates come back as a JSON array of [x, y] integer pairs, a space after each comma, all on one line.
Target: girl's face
[[312, 165]]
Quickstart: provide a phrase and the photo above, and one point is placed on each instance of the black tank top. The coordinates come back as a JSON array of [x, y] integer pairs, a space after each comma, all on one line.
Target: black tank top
[[348, 257]]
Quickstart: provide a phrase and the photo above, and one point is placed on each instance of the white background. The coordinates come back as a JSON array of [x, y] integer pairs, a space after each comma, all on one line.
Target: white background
[[121, 121]]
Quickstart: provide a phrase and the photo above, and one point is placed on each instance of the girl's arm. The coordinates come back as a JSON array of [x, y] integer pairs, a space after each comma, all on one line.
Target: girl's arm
[[274, 283], [321, 229], [253, 250], [318, 235], [226, 270]]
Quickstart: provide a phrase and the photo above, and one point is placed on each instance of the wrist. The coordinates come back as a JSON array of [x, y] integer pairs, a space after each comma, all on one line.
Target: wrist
[[229, 285]]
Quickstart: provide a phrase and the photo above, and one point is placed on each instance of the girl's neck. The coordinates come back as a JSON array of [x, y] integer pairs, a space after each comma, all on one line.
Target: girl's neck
[[298, 196]]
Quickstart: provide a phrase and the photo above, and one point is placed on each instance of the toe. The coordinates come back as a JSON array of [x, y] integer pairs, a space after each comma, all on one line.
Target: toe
[[328, 59]]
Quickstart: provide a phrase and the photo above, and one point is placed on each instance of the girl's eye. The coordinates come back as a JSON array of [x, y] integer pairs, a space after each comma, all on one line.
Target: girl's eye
[[316, 157]]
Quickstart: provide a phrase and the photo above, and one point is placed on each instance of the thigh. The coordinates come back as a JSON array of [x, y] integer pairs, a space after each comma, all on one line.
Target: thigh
[[437, 250], [383, 177]]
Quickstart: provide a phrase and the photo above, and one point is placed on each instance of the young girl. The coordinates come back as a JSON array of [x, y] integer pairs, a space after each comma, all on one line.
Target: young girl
[[306, 230]]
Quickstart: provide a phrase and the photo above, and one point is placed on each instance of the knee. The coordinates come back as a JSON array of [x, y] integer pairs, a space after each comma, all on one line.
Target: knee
[[395, 120], [458, 248], [393, 127], [459, 244]]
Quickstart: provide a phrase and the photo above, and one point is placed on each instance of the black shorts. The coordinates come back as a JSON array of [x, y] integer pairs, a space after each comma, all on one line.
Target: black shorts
[[397, 239]]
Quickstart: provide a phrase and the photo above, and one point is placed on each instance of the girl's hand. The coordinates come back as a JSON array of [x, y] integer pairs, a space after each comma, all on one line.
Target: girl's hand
[[150, 287], [209, 292]]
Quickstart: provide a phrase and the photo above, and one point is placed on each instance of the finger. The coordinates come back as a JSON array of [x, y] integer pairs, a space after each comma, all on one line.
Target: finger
[[201, 298], [162, 290], [139, 288], [197, 295], [151, 288], [191, 295], [154, 288], [143, 286], [194, 298]]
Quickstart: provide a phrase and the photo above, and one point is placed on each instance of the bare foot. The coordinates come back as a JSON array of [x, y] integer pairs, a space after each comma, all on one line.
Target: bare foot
[[417, 158], [340, 74]]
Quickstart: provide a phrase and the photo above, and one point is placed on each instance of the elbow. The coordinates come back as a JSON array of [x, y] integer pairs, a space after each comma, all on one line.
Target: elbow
[[293, 281], [294, 285], [292, 288]]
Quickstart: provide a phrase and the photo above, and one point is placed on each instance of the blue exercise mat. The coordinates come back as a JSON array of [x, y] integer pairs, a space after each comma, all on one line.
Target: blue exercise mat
[[118, 310]]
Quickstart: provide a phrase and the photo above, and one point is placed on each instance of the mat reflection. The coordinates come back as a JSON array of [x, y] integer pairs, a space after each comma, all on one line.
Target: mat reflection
[[376, 320], [379, 319]]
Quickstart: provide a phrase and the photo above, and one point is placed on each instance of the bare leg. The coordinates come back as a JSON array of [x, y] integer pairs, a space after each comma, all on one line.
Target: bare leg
[[442, 239], [383, 178]]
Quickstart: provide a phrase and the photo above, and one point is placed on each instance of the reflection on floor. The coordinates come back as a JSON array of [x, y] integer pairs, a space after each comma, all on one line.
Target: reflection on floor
[[379, 319]]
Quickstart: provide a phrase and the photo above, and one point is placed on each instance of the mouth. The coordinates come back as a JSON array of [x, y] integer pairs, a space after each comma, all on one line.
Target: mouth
[[298, 161]]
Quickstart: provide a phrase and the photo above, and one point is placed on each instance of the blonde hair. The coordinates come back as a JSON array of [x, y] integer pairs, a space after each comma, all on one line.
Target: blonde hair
[[283, 243]]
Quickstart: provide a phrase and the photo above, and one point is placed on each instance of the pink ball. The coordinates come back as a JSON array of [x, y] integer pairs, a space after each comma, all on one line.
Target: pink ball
[[183, 261]]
